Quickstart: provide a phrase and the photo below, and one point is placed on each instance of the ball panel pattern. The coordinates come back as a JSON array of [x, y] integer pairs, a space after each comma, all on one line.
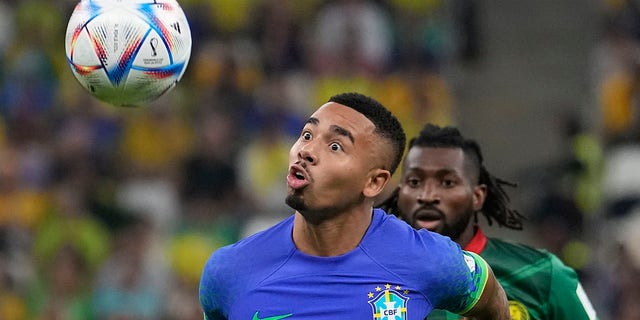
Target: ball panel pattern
[[128, 53]]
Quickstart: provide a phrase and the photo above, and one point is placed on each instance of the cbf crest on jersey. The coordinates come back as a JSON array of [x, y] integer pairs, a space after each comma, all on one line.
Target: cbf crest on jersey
[[389, 303]]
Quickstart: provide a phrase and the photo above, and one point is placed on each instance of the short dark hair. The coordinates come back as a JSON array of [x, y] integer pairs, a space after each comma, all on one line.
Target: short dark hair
[[496, 205], [433, 136], [387, 125]]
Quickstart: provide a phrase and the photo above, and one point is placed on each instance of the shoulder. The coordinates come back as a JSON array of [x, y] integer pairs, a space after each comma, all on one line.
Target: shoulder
[[270, 244], [428, 259], [509, 258], [391, 237], [522, 254], [234, 268], [513, 262], [498, 249]]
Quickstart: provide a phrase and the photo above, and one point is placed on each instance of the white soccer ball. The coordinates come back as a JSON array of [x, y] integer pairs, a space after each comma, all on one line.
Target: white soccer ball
[[128, 52]]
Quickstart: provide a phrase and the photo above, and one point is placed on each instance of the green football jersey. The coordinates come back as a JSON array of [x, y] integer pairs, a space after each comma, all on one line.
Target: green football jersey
[[538, 285]]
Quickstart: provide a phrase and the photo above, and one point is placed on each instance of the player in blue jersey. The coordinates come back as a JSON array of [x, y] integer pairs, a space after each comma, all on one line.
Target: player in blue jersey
[[336, 257]]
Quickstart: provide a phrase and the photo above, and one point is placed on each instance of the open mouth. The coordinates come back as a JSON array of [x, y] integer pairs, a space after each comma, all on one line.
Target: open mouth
[[297, 177], [427, 219]]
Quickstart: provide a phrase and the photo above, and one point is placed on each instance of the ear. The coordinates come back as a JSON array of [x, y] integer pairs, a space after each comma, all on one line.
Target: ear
[[378, 179], [479, 195]]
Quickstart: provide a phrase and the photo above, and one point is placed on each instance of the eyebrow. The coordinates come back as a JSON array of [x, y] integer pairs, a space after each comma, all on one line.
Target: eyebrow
[[336, 129], [438, 172]]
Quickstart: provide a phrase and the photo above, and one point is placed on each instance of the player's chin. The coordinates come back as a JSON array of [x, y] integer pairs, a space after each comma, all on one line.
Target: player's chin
[[295, 200]]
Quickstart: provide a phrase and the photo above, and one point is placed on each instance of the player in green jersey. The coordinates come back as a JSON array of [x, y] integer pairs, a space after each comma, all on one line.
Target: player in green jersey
[[443, 187]]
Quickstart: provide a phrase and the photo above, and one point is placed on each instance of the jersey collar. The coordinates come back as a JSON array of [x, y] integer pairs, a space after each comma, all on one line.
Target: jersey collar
[[477, 243]]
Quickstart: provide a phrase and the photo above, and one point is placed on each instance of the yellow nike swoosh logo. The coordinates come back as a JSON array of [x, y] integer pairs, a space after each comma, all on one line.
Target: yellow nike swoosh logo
[[255, 317]]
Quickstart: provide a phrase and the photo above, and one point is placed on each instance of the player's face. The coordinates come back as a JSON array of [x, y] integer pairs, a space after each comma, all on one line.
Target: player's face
[[437, 193], [330, 161]]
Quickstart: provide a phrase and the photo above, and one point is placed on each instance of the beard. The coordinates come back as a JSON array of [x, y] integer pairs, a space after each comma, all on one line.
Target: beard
[[318, 214], [454, 229], [296, 202]]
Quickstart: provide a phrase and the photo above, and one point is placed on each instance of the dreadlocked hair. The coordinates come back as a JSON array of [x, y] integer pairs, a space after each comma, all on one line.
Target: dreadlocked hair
[[496, 205]]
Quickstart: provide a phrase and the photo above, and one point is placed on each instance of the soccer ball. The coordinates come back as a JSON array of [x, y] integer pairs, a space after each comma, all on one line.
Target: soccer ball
[[128, 52]]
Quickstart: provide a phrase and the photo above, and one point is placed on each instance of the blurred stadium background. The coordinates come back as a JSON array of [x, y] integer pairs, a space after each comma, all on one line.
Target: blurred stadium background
[[110, 213]]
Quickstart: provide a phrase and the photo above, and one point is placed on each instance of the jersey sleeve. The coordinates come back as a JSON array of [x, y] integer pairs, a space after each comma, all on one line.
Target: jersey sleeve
[[567, 298], [464, 278], [480, 274]]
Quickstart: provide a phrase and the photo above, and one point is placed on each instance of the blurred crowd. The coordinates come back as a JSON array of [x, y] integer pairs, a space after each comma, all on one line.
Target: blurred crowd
[[616, 164], [110, 213]]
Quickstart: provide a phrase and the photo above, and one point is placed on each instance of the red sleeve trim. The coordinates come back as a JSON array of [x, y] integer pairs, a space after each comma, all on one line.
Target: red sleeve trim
[[477, 243]]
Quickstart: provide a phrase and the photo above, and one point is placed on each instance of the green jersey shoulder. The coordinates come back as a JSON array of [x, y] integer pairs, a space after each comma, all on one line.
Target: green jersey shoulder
[[537, 283]]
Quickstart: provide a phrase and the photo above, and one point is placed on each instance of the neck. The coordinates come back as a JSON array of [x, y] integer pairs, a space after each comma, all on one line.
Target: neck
[[465, 237], [477, 243], [331, 237]]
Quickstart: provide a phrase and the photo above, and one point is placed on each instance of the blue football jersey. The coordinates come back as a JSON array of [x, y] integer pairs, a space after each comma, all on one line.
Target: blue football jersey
[[395, 273]]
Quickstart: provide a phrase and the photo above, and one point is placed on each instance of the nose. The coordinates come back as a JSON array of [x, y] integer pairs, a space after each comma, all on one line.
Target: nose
[[429, 194], [306, 155]]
